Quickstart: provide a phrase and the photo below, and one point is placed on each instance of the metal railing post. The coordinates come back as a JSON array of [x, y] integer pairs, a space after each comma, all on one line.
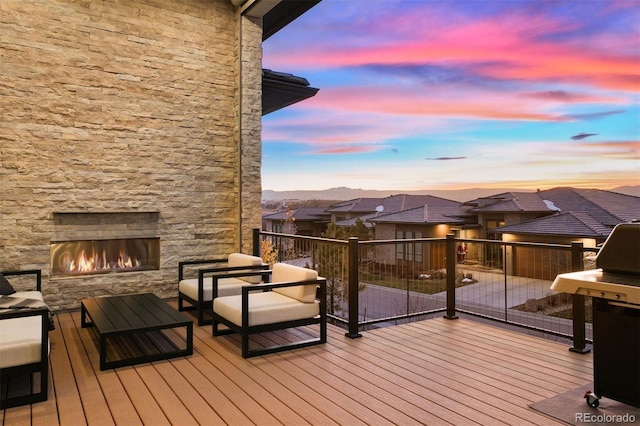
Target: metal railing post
[[451, 277], [354, 281], [505, 266], [256, 242], [579, 338]]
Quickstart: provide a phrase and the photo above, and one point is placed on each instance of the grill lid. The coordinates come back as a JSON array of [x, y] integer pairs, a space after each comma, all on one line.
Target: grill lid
[[618, 274], [621, 251]]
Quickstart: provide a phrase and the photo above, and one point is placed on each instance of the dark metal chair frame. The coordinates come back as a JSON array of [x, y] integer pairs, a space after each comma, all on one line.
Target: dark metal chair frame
[[42, 366], [216, 273], [246, 331]]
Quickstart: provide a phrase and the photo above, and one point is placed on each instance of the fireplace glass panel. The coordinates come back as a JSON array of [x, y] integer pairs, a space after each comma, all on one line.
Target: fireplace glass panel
[[104, 256]]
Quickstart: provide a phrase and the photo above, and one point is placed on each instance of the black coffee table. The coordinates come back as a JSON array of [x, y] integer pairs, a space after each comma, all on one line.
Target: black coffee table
[[136, 328]]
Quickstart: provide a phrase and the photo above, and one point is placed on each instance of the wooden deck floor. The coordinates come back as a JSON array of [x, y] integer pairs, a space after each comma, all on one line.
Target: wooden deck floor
[[428, 372]]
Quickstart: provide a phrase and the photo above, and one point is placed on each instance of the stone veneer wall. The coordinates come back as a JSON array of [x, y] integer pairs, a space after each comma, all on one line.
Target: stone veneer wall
[[121, 118]]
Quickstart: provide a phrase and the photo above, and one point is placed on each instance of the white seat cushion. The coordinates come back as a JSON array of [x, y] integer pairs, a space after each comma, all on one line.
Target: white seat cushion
[[283, 272], [265, 308], [20, 338], [226, 287]]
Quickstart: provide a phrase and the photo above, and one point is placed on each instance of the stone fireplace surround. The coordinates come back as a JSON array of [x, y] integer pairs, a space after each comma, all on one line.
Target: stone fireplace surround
[[123, 120], [74, 226]]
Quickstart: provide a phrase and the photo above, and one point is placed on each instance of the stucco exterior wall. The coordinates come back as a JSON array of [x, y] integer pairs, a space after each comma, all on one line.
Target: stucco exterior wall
[[123, 119]]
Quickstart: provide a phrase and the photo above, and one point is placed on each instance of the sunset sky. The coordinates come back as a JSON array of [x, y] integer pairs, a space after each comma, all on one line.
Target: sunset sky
[[450, 94]]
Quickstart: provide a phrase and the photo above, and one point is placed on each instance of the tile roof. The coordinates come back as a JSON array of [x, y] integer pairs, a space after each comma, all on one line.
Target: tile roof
[[352, 221], [423, 214], [301, 213], [357, 205], [391, 204], [510, 202], [608, 208], [574, 224]]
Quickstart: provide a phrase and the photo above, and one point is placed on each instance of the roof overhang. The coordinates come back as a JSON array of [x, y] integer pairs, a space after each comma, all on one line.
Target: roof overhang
[[279, 90], [275, 14]]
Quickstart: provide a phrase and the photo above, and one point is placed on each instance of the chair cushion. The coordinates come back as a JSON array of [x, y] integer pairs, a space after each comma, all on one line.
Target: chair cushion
[[265, 308], [20, 340], [5, 286], [240, 259], [283, 272], [226, 287]]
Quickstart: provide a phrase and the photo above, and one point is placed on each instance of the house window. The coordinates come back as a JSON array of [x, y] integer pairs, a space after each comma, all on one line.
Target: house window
[[490, 224], [409, 251], [494, 252], [276, 227]]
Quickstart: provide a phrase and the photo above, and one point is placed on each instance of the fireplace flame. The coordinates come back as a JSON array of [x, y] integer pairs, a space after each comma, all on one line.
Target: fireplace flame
[[98, 262], [86, 257]]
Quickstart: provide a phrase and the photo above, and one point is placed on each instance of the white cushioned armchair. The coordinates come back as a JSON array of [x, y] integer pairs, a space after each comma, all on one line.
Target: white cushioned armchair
[[295, 297], [24, 344], [230, 275]]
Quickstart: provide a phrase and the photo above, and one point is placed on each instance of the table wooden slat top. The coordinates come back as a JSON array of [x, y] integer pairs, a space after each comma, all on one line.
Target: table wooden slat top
[[139, 312], [129, 316]]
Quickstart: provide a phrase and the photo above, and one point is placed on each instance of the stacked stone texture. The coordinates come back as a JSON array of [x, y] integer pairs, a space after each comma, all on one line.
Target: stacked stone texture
[[130, 110]]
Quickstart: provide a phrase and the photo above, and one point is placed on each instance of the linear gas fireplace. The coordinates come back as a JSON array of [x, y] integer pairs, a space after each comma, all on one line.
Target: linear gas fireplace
[[83, 257]]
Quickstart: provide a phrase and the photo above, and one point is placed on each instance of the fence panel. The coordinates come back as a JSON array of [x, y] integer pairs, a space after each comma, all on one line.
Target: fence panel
[[402, 279]]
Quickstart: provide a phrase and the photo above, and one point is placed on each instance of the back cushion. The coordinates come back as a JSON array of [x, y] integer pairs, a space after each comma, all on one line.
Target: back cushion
[[239, 259], [283, 272], [5, 286]]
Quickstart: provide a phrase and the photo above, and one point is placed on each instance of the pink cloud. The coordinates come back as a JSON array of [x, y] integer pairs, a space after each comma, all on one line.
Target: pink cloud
[[347, 150], [446, 101], [508, 46], [624, 150], [335, 127], [564, 96]]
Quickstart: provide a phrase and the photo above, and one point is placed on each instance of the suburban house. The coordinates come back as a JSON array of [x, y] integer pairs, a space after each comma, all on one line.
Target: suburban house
[[557, 216], [133, 126], [309, 221], [433, 220], [359, 207], [313, 221]]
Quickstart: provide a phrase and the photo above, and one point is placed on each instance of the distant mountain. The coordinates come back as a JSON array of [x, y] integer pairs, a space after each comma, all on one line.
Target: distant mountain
[[628, 190], [344, 193]]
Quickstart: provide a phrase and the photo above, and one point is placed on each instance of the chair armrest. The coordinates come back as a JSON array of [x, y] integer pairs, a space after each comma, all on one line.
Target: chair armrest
[[184, 263], [230, 269], [19, 313], [321, 282], [36, 272], [268, 286], [259, 270]]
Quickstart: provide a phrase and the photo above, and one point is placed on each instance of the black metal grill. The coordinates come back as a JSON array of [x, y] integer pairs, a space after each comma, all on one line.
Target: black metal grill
[[615, 288]]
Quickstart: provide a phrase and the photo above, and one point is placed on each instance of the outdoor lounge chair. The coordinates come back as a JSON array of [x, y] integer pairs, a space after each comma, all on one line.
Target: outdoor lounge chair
[[24, 343], [295, 297], [198, 292]]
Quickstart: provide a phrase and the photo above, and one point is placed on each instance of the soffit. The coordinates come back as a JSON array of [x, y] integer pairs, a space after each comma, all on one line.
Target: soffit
[[279, 90]]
